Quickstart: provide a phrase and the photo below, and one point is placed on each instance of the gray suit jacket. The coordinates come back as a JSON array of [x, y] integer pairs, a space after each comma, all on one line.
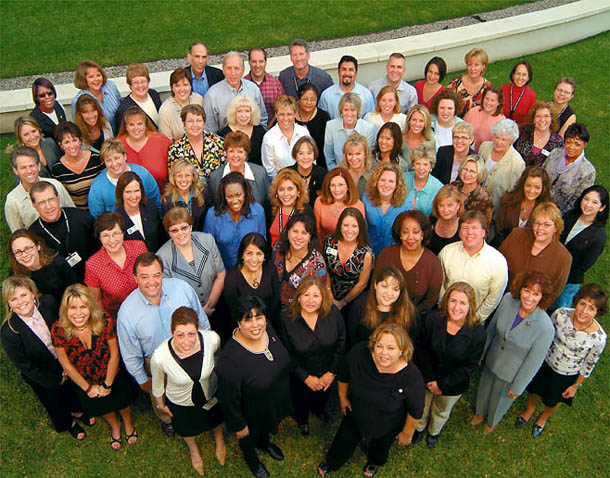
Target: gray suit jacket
[[208, 263], [516, 355], [260, 184]]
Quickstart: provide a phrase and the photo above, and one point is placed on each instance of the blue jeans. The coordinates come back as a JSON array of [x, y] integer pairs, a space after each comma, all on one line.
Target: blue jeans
[[566, 296]]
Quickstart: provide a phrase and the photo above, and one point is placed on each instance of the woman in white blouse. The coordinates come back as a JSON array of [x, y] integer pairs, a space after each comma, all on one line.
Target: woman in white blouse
[[578, 344], [184, 383]]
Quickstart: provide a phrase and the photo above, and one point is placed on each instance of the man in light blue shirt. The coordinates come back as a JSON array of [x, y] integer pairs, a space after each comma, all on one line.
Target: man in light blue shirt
[[218, 97], [202, 75], [301, 72], [348, 70], [396, 68], [144, 320]]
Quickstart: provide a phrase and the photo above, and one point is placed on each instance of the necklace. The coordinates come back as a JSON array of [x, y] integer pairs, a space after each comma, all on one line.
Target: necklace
[[254, 281], [583, 328], [306, 177], [81, 329]]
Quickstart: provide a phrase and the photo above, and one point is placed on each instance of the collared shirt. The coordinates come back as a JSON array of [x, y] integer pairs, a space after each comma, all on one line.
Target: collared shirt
[[271, 89], [228, 233], [37, 324], [247, 171], [219, 96], [315, 75], [18, 208], [422, 199], [200, 85], [142, 325], [380, 224], [486, 271], [329, 100], [276, 152], [336, 135], [407, 95]]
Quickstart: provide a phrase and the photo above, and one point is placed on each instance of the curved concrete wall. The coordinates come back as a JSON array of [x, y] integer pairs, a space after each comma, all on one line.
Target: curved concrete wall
[[503, 39]]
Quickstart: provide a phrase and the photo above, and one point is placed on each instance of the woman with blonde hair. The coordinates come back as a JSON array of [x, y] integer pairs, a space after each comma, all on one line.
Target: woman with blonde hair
[[387, 108], [421, 185], [86, 345], [244, 115], [357, 159], [470, 87], [288, 195], [383, 202], [185, 189], [90, 118], [418, 131], [471, 175], [447, 208], [28, 133]]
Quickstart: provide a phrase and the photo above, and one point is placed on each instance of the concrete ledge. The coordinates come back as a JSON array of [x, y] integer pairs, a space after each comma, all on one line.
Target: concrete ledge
[[506, 38]]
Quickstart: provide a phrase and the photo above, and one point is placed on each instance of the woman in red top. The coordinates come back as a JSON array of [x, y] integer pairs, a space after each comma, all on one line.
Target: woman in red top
[[434, 74], [144, 145], [85, 342], [109, 272], [518, 97]]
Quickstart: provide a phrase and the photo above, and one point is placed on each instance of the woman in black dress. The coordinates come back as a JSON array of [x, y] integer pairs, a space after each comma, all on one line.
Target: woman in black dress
[[184, 383], [306, 155], [253, 384], [86, 345], [31, 257], [381, 393], [253, 275], [314, 334], [26, 338]]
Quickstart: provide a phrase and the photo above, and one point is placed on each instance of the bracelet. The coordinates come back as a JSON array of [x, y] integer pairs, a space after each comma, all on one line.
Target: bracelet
[[89, 388], [107, 387], [577, 385]]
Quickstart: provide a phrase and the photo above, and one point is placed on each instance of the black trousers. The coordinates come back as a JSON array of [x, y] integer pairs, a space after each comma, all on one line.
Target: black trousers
[[305, 400], [346, 440], [58, 403], [249, 444]]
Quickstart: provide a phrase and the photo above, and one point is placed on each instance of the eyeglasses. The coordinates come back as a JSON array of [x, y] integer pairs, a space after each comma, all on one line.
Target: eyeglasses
[[105, 236], [544, 225], [176, 230], [461, 138], [563, 92], [304, 99], [47, 202], [25, 250], [45, 94]]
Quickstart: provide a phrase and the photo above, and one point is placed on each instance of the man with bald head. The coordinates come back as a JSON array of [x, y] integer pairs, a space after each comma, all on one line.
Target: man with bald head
[[202, 75], [218, 97]]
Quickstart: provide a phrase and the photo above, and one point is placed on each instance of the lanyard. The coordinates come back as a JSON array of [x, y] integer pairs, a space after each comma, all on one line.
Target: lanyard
[[53, 237], [514, 108], [280, 214]]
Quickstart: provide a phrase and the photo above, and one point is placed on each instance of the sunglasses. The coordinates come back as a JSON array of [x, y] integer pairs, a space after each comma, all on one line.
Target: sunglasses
[[45, 94]]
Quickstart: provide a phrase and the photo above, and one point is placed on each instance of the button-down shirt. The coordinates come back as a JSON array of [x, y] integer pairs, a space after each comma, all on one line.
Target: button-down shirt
[[422, 199], [336, 135], [486, 271], [37, 324], [379, 224], [276, 152], [18, 208], [111, 100], [219, 96], [200, 85], [142, 325], [271, 89], [315, 75], [329, 100], [228, 233], [407, 95]]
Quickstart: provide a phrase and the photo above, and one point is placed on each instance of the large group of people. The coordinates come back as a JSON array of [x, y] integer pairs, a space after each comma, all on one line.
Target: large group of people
[[254, 248]]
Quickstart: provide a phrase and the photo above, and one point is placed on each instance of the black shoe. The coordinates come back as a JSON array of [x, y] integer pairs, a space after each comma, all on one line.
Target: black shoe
[[304, 429], [369, 470], [520, 422], [431, 441], [273, 451], [259, 470], [537, 430], [323, 469], [168, 429], [417, 437]]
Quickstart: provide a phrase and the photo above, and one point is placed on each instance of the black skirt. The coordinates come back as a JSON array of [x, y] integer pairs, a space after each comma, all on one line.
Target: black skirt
[[550, 385], [191, 421], [122, 395]]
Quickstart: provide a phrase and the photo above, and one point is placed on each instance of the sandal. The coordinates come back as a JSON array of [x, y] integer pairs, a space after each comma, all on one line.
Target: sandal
[[86, 420], [369, 470], [132, 435], [75, 430], [114, 441]]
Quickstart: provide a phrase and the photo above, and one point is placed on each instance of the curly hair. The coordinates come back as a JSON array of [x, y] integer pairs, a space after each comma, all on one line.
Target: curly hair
[[528, 279], [171, 190], [399, 194], [221, 205], [417, 216], [517, 194], [544, 105], [446, 95], [96, 313], [291, 175]]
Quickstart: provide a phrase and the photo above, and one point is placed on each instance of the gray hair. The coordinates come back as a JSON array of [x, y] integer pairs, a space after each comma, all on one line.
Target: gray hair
[[506, 127], [463, 127], [243, 100], [230, 54], [298, 42], [426, 152]]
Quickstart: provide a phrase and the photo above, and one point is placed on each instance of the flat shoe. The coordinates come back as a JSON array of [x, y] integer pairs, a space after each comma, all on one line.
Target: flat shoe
[[369, 470], [431, 441], [86, 420], [417, 437], [537, 430], [274, 451], [259, 471], [75, 430], [115, 441], [130, 436], [323, 469], [520, 422], [168, 429]]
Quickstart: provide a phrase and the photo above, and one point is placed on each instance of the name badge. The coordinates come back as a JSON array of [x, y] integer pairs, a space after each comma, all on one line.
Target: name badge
[[331, 251], [73, 259], [545, 152], [131, 230]]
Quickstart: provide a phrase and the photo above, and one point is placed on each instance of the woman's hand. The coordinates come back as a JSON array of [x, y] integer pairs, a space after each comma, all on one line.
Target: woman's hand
[[327, 380], [94, 391], [404, 438], [243, 433], [208, 308], [314, 383], [166, 409], [570, 391], [433, 388], [510, 394], [345, 405], [104, 391]]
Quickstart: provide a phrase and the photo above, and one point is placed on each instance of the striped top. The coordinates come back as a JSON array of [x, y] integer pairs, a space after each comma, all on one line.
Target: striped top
[[78, 185]]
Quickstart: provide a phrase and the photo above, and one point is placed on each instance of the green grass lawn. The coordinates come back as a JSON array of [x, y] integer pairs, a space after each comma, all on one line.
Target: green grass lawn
[[575, 442], [47, 36]]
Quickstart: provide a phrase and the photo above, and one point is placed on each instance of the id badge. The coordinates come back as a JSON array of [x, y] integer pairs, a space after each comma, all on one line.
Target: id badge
[[208, 406], [131, 230], [73, 259], [545, 152], [331, 251]]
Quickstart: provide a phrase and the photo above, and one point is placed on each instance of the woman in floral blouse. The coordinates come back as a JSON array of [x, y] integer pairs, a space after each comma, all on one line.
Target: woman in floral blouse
[[471, 175], [578, 344], [204, 149]]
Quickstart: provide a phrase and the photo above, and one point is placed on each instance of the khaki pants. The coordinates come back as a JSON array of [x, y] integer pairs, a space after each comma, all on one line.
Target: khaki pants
[[161, 414], [437, 409]]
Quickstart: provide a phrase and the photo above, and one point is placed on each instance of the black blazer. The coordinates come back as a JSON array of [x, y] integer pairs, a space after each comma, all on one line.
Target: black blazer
[[128, 102], [23, 347], [585, 247], [214, 75], [444, 163], [150, 222], [198, 212], [449, 364], [318, 173], [47, 126]]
